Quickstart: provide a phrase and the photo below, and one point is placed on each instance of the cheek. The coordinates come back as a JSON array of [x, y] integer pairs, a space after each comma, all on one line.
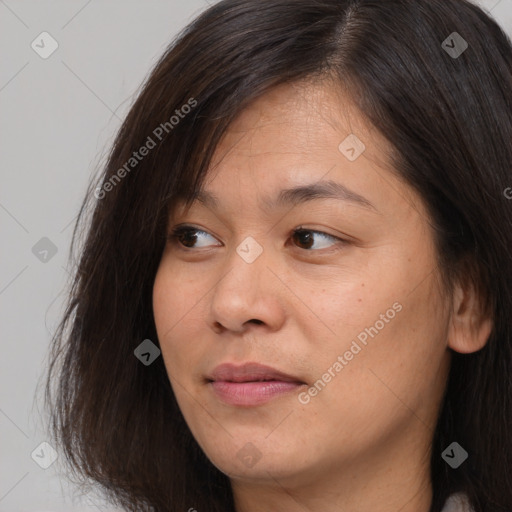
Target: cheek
[[338, 308], [179, 320], [389, 326], [179, 313], [391, 364]]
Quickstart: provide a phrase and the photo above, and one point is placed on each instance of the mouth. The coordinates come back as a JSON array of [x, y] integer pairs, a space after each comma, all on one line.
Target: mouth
[[251, 384]]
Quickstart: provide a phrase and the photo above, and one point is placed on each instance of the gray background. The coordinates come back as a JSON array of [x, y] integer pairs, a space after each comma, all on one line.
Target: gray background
[[58, 117]]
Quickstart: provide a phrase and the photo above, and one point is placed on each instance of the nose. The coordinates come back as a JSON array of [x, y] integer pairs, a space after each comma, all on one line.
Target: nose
[[247, 293]]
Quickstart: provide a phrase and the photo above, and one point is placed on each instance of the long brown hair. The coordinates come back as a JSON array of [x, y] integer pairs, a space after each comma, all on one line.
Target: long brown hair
[[447, 116]]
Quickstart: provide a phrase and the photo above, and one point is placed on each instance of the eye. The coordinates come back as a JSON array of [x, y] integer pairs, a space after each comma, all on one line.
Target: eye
[[306, 237], [187, 236]]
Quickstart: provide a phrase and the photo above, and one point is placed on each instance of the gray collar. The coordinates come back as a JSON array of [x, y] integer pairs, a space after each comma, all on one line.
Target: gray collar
[[457, 503]]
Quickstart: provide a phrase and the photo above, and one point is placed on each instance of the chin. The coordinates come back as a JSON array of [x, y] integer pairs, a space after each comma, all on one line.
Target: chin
[[246, 457]]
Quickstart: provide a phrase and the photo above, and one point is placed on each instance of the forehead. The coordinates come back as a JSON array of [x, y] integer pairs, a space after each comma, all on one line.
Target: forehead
[[297, 128], [294, 136], [298, 117]]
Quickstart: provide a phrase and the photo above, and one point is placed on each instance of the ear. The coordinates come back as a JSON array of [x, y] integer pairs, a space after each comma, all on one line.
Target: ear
[[469, 327]]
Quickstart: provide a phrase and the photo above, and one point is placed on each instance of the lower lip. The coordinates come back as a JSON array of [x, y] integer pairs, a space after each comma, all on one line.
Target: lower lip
[[252, 393]]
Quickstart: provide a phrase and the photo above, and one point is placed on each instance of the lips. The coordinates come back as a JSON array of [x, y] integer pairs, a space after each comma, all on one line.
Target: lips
[[250, 372], [251, 384]]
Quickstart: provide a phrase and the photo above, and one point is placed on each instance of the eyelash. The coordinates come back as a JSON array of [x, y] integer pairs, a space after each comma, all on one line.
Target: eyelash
[[185, 229]]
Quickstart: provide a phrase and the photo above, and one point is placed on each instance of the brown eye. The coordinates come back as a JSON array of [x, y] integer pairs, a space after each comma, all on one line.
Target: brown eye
[[188, 236], [306, 239], [303, 238]]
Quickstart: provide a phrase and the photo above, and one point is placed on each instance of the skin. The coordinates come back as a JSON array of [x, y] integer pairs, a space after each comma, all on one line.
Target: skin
[[363, 442]]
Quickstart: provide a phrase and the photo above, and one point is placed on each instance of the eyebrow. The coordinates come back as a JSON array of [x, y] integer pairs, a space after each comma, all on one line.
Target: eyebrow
[[299, 194]]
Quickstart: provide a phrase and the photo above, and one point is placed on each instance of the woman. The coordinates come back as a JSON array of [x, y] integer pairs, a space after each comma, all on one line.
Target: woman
[[294, 291]]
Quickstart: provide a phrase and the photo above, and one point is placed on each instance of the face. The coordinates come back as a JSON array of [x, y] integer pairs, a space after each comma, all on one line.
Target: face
[[336, 291]]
